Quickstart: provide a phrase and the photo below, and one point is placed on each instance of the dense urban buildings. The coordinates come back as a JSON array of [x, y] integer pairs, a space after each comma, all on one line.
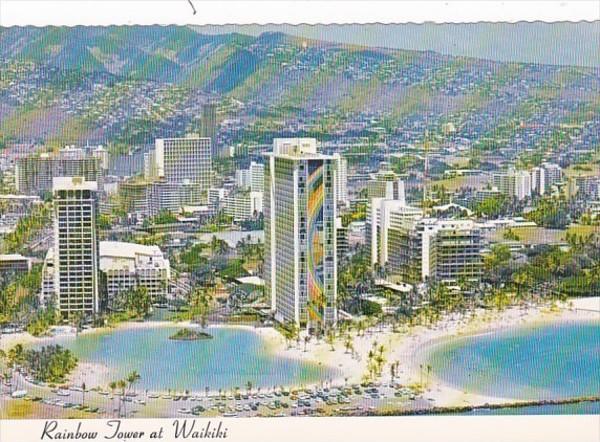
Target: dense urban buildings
[[177, 173], [76, 257], [300, 236], [385, 192], [543, 177], [383, 215], [252, 178], [242, 204], [386, 184]]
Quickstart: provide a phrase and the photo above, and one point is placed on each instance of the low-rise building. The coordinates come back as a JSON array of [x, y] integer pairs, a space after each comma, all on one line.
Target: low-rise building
[[242, 205], [128, 265], [14, 263]]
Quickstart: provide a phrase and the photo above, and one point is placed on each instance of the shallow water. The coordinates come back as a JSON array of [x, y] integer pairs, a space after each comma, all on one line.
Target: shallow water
[[232, 358], [541, 362]]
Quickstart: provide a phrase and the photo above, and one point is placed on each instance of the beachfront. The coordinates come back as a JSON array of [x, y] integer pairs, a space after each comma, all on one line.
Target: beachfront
[[408, 347]]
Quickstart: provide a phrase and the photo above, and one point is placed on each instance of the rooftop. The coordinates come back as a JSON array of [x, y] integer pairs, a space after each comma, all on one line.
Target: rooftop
[[122, 249], [13, 257], [73, 183], [251, 280], [297, 148]]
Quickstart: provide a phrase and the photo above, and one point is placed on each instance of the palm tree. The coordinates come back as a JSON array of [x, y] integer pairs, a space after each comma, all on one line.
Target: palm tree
[[83, 390], [7, 377], [330, 338], [360, 327], [76, 320], [112, 386], [348, 344], [132, 378], [379, 360], [16, 355], [214, 245], [122, 384], [306, 341], [15, 358]]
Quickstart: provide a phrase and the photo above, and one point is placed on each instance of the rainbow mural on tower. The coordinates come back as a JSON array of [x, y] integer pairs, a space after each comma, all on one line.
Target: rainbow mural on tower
[[316, 300]]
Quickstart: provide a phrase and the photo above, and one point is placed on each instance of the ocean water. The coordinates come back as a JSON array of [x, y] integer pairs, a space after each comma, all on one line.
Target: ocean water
[[541, 362], [232, 358]]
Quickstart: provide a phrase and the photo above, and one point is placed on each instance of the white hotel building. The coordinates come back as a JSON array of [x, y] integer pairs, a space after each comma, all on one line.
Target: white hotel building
[[382, 215], [128, 265], [184, 162], [513, 183]]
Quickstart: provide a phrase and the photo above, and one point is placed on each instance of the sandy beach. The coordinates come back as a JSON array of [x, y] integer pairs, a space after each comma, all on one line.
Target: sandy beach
[[408, 347]]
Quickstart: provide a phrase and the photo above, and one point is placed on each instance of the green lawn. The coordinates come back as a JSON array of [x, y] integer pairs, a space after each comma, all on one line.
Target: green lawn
[[542, 235]]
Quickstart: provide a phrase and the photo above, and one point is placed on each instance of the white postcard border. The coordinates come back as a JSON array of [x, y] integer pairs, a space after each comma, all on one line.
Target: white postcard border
[[549, 428], [211, 12]]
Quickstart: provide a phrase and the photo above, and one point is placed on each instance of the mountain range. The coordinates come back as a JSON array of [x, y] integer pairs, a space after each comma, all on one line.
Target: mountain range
[[61, 84]]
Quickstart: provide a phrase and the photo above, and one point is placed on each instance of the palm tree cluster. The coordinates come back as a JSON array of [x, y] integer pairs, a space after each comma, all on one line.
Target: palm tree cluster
[[51, 363], [375, 360], [291, 333], [251, 252], [123, 387], [135, 301], [18, 296], [549, 272], [200, 301], [26, 229], [394, 367], [355, 278]]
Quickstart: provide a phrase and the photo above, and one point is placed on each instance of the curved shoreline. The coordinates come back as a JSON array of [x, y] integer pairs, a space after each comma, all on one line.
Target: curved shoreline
[[446, 394], [102, 374], [410, 349]]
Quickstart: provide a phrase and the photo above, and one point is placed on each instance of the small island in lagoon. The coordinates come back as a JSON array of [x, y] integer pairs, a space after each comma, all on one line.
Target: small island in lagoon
[[187, 334]]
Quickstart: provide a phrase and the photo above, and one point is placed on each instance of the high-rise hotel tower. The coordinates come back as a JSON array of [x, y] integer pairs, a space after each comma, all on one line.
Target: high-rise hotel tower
[[300, 237], [76, 257], [184, 165]]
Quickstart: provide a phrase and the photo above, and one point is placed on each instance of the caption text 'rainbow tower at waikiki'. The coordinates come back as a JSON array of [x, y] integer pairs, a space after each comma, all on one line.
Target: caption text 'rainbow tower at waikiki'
[[300, 241]]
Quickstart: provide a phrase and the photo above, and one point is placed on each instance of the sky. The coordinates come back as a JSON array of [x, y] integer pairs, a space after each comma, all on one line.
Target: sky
[[562, 43]]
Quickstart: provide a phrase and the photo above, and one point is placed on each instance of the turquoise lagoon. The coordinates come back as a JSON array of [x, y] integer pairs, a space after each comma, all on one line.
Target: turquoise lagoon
[[234, 357], [538, 362]]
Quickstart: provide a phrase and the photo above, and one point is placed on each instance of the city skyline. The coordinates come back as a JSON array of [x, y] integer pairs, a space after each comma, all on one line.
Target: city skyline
[[309, 223]]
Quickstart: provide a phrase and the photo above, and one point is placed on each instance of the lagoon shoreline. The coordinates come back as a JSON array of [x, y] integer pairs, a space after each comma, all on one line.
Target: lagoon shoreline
[[409, 347]]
